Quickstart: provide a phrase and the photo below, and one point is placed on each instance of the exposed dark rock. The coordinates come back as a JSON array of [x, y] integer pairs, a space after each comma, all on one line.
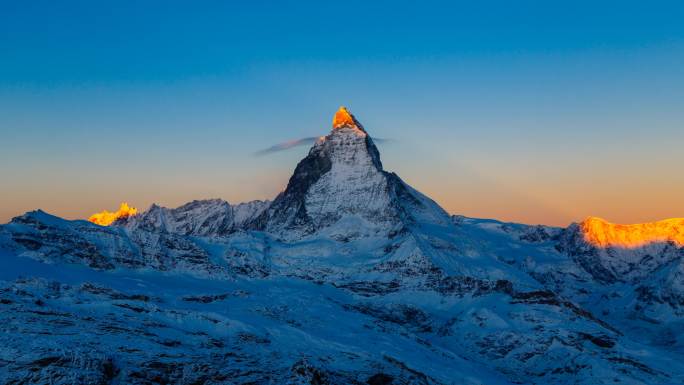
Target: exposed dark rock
[[380, 379]]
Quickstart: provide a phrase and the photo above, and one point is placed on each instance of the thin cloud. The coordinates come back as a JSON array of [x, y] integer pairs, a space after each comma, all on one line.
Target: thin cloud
[[300, 142], [287, 145]]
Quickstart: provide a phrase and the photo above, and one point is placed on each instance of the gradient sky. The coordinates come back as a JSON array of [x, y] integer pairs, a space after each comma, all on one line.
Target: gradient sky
[[523, 111]]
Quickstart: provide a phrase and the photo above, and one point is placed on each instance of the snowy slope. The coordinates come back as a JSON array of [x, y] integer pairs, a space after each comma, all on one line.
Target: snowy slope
[[349, 276], [212, 217], [639, 291]]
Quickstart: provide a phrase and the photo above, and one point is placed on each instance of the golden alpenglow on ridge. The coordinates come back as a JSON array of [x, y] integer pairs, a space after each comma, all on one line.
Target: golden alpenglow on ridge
[[602, 233], [105, 218], [344, 118]]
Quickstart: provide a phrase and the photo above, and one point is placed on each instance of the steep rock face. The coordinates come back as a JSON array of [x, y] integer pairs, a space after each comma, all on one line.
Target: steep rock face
[[341, 189]]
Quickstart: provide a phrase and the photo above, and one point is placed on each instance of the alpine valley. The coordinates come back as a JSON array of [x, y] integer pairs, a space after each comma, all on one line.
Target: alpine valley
[[349, 276]]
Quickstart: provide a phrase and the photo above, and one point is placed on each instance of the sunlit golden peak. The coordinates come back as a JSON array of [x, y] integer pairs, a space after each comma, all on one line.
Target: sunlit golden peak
[[343, 118], [105, 218], [602, 233]]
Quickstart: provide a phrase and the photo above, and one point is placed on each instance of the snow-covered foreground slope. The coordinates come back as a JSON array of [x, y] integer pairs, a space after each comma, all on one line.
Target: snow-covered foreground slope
[[349, 276], [66, 324], [639, 291]]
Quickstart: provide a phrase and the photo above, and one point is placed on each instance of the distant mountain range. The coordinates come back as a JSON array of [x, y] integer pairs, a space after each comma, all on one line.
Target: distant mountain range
[[349, 276]]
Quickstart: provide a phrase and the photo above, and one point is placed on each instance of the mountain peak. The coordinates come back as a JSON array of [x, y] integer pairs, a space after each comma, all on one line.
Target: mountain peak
[[105, 217], [341, 189], [602, 233], [344, 118]]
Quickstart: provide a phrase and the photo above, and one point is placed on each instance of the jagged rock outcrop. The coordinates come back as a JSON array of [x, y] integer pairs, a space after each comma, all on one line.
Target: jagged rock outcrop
[[211, 217]]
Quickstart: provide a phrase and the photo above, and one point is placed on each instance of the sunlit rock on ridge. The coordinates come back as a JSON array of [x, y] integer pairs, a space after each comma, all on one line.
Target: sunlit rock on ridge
[[602, 233], [106, 218]]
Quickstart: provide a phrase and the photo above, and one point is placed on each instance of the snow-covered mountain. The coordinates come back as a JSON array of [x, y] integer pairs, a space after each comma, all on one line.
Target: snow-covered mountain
[[349, 276], [206, 218], [341, 190]]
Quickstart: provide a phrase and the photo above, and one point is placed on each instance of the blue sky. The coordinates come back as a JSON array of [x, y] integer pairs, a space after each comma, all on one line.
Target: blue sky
[[526, 111]]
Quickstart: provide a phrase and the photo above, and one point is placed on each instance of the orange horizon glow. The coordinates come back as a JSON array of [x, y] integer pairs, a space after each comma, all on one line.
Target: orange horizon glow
[[602, 233], [106, 218]]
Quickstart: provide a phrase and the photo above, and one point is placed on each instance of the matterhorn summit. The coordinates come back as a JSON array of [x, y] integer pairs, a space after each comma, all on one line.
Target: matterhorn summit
[[341, 189], [343, 118]]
